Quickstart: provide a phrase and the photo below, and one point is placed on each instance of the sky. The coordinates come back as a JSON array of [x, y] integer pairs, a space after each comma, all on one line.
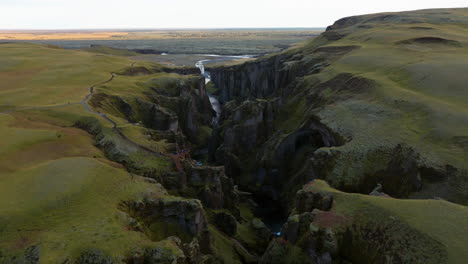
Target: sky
[[128, 14]]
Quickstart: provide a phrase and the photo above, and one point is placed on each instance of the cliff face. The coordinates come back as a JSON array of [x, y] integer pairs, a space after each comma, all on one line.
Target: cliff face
[[260, 79], [312, 113]]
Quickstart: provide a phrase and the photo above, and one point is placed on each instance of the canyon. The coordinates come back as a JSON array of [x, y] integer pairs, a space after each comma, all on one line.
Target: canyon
[[348, 148]]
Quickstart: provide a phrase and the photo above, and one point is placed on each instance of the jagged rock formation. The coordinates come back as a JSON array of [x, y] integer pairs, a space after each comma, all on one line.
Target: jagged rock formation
[[211, 186]]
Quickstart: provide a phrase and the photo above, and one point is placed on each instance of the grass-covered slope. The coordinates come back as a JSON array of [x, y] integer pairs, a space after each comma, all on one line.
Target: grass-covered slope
[[416, 62], [60, 194]]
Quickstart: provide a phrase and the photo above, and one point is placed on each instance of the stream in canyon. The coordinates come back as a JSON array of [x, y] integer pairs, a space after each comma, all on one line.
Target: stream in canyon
[[268, 210]]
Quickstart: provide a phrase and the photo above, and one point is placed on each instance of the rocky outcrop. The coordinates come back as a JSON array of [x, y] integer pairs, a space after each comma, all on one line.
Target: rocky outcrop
[[171, 216], [212, 187]]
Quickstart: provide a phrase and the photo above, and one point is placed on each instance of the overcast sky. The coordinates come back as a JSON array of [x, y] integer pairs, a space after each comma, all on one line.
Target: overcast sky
[[82, 14]]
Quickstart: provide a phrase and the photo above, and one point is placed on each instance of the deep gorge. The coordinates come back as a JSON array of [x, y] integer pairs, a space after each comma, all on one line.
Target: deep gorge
[[257, 161]]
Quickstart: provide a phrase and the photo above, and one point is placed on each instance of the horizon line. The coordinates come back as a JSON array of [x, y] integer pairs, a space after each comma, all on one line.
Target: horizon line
[[151, 28]]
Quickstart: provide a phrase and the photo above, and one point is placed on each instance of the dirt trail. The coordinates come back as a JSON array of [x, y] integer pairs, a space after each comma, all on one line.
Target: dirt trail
[[115, 128]]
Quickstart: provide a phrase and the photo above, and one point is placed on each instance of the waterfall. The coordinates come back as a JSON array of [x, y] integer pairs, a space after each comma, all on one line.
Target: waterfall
[[215, 104]]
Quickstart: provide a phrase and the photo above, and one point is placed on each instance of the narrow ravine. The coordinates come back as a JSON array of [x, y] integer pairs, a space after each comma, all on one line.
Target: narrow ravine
[[268, 210]]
